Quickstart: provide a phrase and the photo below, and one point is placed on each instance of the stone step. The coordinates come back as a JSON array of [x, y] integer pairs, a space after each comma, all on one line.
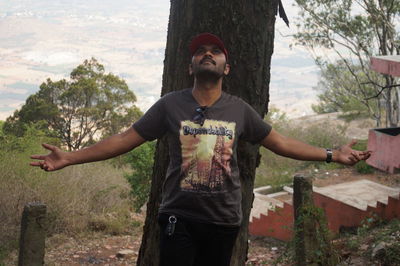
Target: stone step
[[359, 194]]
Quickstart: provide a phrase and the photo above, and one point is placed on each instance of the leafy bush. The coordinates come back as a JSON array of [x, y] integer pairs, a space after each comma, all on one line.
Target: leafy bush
[[141, 161], [363, 168]]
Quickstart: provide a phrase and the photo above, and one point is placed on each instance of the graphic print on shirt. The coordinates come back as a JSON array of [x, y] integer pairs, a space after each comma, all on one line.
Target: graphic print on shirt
[[206, 155]]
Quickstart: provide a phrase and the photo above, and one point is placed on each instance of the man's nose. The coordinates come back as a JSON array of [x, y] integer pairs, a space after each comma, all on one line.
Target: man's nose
[[208, 53]]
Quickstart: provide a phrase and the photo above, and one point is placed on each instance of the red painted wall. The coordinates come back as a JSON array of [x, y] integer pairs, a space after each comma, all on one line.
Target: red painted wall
[[385, 149], [279, 223], [389, 65]]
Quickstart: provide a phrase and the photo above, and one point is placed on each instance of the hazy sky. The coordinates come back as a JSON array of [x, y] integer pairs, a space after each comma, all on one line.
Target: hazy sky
[[42, 39]]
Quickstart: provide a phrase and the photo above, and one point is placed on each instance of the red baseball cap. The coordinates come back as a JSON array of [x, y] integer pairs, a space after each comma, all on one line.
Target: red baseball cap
[[206, 38]]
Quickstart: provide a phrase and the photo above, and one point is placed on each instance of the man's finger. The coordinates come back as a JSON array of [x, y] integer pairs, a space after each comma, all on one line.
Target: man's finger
[[35, 164], [38, 157], [366, 155], [356, 155], [352, 143], [352, 159], [49, 147]]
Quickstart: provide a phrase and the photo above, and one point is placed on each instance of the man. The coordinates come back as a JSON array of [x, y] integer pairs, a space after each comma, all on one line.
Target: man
[[200, 213]]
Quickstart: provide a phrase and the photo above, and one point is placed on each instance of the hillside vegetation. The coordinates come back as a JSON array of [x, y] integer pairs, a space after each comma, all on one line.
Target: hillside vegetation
[[79, 199]]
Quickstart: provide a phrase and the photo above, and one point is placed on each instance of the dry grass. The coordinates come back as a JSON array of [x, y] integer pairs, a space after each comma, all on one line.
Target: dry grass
[[78, 198], [278, 171]]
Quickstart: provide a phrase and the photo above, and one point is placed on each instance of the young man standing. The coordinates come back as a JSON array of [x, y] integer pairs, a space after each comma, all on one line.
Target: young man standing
[[200, 213]]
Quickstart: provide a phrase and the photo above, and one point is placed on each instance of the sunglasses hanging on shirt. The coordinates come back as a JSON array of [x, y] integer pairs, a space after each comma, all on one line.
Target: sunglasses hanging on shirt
[[200, 116]]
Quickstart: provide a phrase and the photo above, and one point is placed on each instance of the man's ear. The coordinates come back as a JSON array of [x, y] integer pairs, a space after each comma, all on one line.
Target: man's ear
[[227, 69], [190, 69]]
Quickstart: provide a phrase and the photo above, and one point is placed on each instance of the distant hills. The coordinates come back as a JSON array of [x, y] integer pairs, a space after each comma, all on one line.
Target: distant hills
[[43, 38]]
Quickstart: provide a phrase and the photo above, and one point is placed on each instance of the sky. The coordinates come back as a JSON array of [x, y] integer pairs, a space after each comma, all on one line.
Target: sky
[[42, 39]]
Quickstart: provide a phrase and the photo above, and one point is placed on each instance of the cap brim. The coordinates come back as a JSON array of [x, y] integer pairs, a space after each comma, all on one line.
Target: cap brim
[[206, 38]]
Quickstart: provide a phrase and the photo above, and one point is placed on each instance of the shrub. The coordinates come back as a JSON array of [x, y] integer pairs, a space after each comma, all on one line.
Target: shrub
[[363, 168], [141, 161]]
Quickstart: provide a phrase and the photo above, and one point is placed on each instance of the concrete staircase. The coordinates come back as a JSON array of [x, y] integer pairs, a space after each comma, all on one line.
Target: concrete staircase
[[346, 205]]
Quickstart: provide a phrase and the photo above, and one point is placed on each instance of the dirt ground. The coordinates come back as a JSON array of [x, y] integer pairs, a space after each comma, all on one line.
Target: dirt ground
[[106, 250], [103, 250]]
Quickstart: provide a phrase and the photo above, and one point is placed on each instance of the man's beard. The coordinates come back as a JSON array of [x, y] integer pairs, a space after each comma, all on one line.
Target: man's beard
[[208, 75]]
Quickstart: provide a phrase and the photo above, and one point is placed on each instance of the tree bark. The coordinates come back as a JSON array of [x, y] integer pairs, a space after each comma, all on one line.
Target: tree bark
[[247, 29]]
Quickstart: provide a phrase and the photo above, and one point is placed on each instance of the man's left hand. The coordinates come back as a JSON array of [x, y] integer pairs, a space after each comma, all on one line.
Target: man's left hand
[[348, 156]]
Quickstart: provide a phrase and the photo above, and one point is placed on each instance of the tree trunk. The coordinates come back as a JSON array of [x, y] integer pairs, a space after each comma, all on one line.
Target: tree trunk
[[397, 106], [247, 29]]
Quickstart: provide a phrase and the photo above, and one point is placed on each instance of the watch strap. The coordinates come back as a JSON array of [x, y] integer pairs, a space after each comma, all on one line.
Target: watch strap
[[329, 155]]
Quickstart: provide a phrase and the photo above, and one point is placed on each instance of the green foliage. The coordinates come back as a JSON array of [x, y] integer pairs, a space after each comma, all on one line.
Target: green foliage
[[354, 31], [321, 250], [92, 104], [141, 161], [340, 90], [375, 231], [14, 154], [1, 128], [390, 235], [17, 145], [75, 197], [391, 256], [276, 116], [363, 168]]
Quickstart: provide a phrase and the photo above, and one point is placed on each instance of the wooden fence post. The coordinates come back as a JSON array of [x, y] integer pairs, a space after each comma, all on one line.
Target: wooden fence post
[[32, 240], [312, 241]]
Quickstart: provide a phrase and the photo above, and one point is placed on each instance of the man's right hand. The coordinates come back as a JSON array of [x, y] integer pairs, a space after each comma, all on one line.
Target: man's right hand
[[55, 160], [105, 149]]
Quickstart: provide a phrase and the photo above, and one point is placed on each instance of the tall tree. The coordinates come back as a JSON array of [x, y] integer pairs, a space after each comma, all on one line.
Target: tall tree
[[356, 30], [247, 28], [90, 105]]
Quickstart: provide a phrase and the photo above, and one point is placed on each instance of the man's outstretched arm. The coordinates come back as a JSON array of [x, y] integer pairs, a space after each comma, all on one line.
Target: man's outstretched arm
[[295, 149], [105, 149]]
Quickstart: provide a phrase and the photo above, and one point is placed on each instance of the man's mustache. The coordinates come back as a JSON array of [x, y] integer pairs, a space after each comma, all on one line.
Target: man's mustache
[[207, 59]]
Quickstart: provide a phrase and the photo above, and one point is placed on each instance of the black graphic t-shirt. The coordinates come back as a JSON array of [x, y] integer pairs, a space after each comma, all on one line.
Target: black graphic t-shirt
[[202, 181]]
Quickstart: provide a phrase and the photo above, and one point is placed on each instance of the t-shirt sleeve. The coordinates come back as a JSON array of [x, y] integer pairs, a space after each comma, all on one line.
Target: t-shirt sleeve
[[152, 125], [255, 128]]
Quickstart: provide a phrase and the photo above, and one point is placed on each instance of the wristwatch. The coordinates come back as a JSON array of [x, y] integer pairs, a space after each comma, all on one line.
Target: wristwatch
[[329, 154]]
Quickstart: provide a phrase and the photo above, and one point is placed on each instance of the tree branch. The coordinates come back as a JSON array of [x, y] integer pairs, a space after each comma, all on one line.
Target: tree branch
[[381, 90]]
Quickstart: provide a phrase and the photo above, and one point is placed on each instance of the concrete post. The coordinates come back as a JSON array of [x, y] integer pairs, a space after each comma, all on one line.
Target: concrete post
[[312, 241], [305, 239], [32, 240]]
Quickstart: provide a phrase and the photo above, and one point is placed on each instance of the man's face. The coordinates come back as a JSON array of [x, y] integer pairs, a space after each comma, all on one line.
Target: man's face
[[209, 62]]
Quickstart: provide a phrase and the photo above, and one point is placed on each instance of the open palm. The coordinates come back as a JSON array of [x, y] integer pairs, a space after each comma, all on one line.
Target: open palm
[[55, 160], [348, 156]]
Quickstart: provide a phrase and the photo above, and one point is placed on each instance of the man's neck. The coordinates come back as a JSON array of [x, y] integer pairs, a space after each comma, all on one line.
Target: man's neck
[[207, 93]]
